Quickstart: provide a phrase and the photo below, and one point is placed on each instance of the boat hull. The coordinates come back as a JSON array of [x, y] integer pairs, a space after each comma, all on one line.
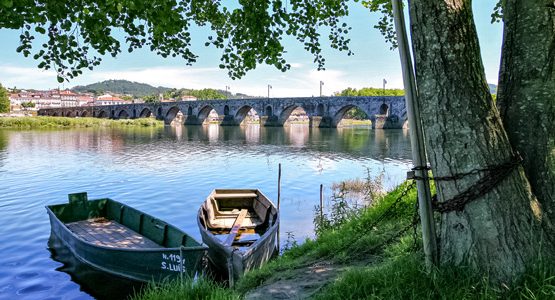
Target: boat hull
[[145, 265], [228, 260], [234, 261]]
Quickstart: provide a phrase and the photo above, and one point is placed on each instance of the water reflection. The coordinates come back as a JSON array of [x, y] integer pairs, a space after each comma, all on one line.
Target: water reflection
[[96, 283], [3, 147], [331, 142]]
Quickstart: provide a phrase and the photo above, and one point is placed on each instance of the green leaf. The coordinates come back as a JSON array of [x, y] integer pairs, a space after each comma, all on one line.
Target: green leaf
[[60, 79], [7, 3]]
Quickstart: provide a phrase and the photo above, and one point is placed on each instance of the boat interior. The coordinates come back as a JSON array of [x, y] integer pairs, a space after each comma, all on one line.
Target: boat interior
[[237, 217], [108, 223]]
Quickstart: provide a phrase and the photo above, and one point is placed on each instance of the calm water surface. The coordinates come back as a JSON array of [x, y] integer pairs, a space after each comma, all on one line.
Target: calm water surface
[[168, 172]]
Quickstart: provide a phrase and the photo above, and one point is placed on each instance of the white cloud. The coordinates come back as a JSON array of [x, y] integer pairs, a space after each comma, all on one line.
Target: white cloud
[[27, 77]]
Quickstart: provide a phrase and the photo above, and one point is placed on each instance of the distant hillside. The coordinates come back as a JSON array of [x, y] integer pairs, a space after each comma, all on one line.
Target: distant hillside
[[121, 87], [492, 88]]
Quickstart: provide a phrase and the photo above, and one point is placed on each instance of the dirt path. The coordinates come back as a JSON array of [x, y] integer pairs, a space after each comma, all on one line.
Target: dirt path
[[300, 283]]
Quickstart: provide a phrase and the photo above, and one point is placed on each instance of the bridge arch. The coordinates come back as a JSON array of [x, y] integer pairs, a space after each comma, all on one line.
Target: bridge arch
[[159, 115], [102, 114], [145, 113], [123, 114], [384, 109], [71, 114], [56, 114], [286, 113], [340, 114], [203, 114], [174, 115], [320, 110], [84, 114], [242, 114]]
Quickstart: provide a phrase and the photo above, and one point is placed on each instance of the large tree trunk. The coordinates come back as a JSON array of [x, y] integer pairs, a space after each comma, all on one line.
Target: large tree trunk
[[526, 94], [498, 232]]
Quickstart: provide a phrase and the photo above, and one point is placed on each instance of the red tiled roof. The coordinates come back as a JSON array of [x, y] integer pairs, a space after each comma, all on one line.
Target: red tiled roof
[[108, 97]]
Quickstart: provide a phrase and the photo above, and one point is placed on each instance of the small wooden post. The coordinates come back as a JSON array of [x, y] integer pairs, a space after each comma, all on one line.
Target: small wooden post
[[278, 205], [321, 203], [279, 186]]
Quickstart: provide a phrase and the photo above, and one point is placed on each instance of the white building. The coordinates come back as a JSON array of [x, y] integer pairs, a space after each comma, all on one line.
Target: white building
[[188, 98], [40, 99], [108, 99], [48, 99]]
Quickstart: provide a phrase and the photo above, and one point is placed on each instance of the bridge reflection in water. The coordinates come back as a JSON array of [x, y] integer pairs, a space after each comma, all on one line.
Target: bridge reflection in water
[[326, 112]]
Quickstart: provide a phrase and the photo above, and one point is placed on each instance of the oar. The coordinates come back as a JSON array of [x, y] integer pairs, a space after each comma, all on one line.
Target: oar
[[236, 226]]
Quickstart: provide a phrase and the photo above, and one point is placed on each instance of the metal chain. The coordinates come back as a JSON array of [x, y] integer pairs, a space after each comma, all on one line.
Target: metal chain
[[390, 210], [415, 221], [513, 160], [493, 175]]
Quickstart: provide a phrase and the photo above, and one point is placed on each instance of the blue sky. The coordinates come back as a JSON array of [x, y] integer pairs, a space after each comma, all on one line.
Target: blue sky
[[371, 63]]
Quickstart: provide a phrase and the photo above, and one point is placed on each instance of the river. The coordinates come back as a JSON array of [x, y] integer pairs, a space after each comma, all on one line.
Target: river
[[168, 172]]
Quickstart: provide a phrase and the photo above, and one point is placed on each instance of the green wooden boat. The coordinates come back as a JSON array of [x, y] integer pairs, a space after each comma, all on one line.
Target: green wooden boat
[[117, 239], [240, 228]]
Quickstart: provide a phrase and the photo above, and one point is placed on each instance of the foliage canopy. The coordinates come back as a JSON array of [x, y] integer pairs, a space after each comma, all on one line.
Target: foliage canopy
[[4, 100], [78, 33]]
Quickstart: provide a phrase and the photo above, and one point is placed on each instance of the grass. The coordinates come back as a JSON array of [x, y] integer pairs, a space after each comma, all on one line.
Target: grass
[[393, 271], [190, 289], [61, 122], [349, 242], [404, 277], [354, 122]]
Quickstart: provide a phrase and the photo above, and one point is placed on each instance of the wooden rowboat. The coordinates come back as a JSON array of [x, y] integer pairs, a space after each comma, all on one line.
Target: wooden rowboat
[[240, 228], [117, 239]]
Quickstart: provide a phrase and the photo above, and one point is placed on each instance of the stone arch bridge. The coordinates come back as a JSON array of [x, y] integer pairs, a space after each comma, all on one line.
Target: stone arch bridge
[[384, 112]]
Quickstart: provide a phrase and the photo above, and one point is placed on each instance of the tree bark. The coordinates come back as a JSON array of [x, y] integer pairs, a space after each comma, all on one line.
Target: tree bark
[[526, 93], [499, 232]]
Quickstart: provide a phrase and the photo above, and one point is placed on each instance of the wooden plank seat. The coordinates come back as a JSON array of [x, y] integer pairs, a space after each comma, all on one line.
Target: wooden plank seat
[[235, 196], [109, 233], [226, 221]]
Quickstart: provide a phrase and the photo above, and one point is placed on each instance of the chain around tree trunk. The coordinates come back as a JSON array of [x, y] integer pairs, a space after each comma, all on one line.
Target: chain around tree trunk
[[492, 176]]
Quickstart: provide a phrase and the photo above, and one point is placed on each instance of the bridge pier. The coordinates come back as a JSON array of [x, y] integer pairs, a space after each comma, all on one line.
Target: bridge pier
[[270, 121], [190, 120], [320, 122], [228, 121], [386, 122]]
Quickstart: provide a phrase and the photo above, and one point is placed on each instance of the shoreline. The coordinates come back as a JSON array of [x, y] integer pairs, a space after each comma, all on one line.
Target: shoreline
[[41, 122]]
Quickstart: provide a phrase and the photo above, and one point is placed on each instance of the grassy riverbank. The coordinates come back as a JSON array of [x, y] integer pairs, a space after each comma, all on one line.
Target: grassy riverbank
[[61, 122], [364, 261]]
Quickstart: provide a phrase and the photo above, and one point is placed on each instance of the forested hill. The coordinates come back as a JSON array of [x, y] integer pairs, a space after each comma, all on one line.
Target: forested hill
[[121, 87]]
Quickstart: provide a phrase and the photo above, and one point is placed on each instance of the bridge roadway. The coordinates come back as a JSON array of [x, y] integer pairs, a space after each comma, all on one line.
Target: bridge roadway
[[384, 112]]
